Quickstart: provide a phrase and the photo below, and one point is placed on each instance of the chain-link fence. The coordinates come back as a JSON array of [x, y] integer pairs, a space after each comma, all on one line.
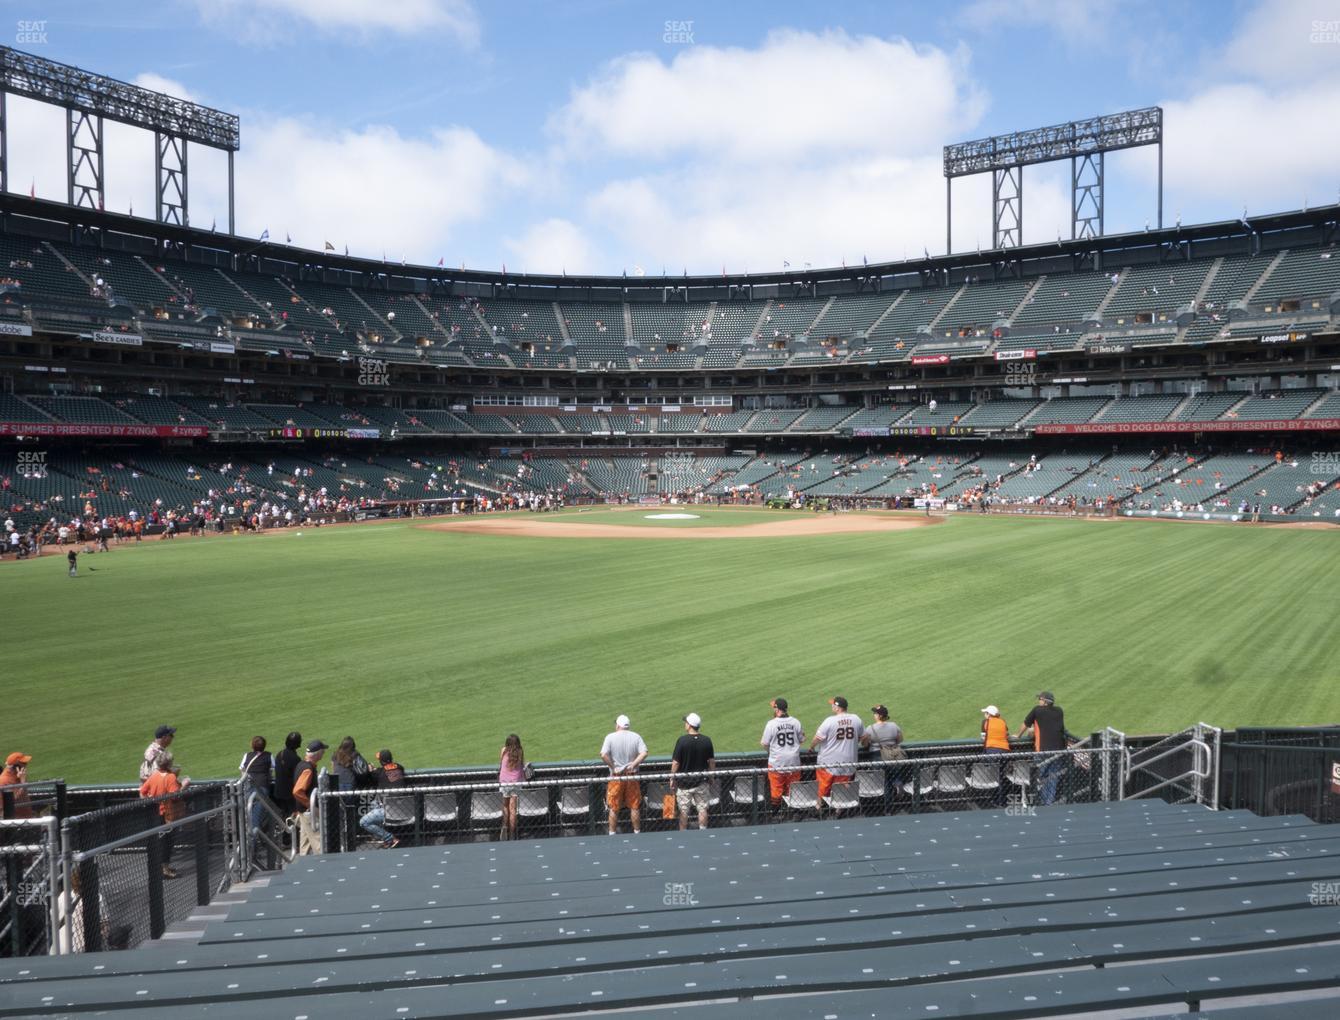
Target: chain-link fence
[[472, 808], [132, 869], [29, 870]]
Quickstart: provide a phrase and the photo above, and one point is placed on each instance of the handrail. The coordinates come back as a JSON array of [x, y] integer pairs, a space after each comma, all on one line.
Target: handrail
[[79, 856], [1197, 746], [285, 823]]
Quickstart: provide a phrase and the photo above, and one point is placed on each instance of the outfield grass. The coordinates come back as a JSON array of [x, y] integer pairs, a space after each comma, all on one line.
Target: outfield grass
[[439, 644]]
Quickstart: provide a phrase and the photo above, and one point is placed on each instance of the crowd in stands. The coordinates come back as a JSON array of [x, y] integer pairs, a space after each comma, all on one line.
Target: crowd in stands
[[288, 781]]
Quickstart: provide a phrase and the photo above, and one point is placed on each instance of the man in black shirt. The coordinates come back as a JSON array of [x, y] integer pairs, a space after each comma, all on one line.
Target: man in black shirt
[[390, 777], [286, 763], [1047, 721], [693, 753]]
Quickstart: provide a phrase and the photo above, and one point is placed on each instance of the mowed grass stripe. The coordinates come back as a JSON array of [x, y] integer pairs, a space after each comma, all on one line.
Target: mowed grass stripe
[[439, 644]]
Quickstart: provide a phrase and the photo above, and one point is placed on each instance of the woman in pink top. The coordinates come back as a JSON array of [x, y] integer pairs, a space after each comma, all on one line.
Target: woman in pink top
[[511, 774]]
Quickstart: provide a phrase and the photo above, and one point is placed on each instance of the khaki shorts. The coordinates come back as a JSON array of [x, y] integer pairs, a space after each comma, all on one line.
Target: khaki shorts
[[694, 797]]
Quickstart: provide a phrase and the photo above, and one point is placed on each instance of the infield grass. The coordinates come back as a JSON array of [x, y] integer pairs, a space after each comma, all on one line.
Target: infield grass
[[438, 644]]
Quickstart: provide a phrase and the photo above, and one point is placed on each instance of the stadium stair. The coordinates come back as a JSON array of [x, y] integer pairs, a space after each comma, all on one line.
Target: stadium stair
[[814, 326], [260, 305], [1107, 298], [68, 264], [1261, 280], [887, 312], [378, 316], [948, 305], [191, 929]]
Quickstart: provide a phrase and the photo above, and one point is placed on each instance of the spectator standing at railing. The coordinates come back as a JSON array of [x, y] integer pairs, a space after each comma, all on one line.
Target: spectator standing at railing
[[840, 734], [257, 768], [15, 774], [783, 737], [693, 754], [156, 751], [286, 764], [387, 778], [623, 751], [1047, 721], [305, 799], [161, 783], [996, 740], [348, 766], [511, 774]]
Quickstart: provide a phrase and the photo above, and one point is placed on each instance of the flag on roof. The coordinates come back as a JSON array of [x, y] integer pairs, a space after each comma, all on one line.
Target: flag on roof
[[329, 246]]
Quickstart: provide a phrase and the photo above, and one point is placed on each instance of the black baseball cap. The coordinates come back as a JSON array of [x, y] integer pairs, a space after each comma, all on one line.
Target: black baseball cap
[[316, 745], [839, 702], [164, 731], [881, 711], [1047, 696], [780, 704], [385, 757]]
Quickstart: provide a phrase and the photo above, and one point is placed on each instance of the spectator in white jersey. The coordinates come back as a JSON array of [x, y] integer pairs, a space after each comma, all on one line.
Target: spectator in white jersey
[[783, 737], [623, 751], [840, 736]]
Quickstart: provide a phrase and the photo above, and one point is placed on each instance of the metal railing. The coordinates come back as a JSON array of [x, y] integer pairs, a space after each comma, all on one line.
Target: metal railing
[[120, 885], [29, 859], [472, 808], [1283, 779], [1182, 767]]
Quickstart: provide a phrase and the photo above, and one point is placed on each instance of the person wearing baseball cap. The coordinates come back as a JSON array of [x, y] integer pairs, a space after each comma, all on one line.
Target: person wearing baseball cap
[[304, 785], [996, 740], [840, 734], [163, 737], [693, 754], [884, 735], [1047, 721], [783, 737], [623, 751], [16, 774]]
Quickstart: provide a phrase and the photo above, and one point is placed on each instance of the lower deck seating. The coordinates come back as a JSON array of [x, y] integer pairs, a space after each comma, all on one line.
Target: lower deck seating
[[1079, 909]]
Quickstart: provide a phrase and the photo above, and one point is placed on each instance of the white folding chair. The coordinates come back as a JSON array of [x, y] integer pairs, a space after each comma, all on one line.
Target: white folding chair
[[952, 779], [440, 808], [924, 783], [574, 802], [842, 797], [870, 783], [533, 802], [984, 777], [802, 796], [486, 806], [742, 790]]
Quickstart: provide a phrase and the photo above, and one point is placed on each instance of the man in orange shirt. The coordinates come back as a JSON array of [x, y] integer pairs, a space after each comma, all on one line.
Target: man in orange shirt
[[16, 774], [162, 782]]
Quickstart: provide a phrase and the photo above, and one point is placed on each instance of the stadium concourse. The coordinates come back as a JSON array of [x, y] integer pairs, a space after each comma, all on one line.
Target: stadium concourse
[[1133, 908]]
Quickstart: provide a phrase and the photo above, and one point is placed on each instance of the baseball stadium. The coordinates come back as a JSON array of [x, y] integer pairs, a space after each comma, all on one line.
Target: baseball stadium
[[950, 635]]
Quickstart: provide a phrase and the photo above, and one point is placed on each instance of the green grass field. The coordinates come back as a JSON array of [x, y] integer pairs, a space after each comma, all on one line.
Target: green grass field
[[438, 645]]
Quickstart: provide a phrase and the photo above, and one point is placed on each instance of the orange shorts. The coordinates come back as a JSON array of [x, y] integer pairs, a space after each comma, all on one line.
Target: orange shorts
[[623, 794], [780, 782], [827, 779]]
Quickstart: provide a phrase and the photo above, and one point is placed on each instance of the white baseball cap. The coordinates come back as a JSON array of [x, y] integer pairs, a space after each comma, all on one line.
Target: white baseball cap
[[694, 719], [991, 710], [622, 723]]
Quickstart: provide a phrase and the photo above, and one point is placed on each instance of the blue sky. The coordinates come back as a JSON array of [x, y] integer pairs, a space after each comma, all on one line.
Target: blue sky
[[603, 136]]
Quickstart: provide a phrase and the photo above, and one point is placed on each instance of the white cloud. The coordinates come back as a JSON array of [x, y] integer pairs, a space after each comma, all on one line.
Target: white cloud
[[1075, 22], [1275, 41], [811, 147], [373, 189], [168, 86], [552, 246], [1255, 134], [798, 93], [265, 20]]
